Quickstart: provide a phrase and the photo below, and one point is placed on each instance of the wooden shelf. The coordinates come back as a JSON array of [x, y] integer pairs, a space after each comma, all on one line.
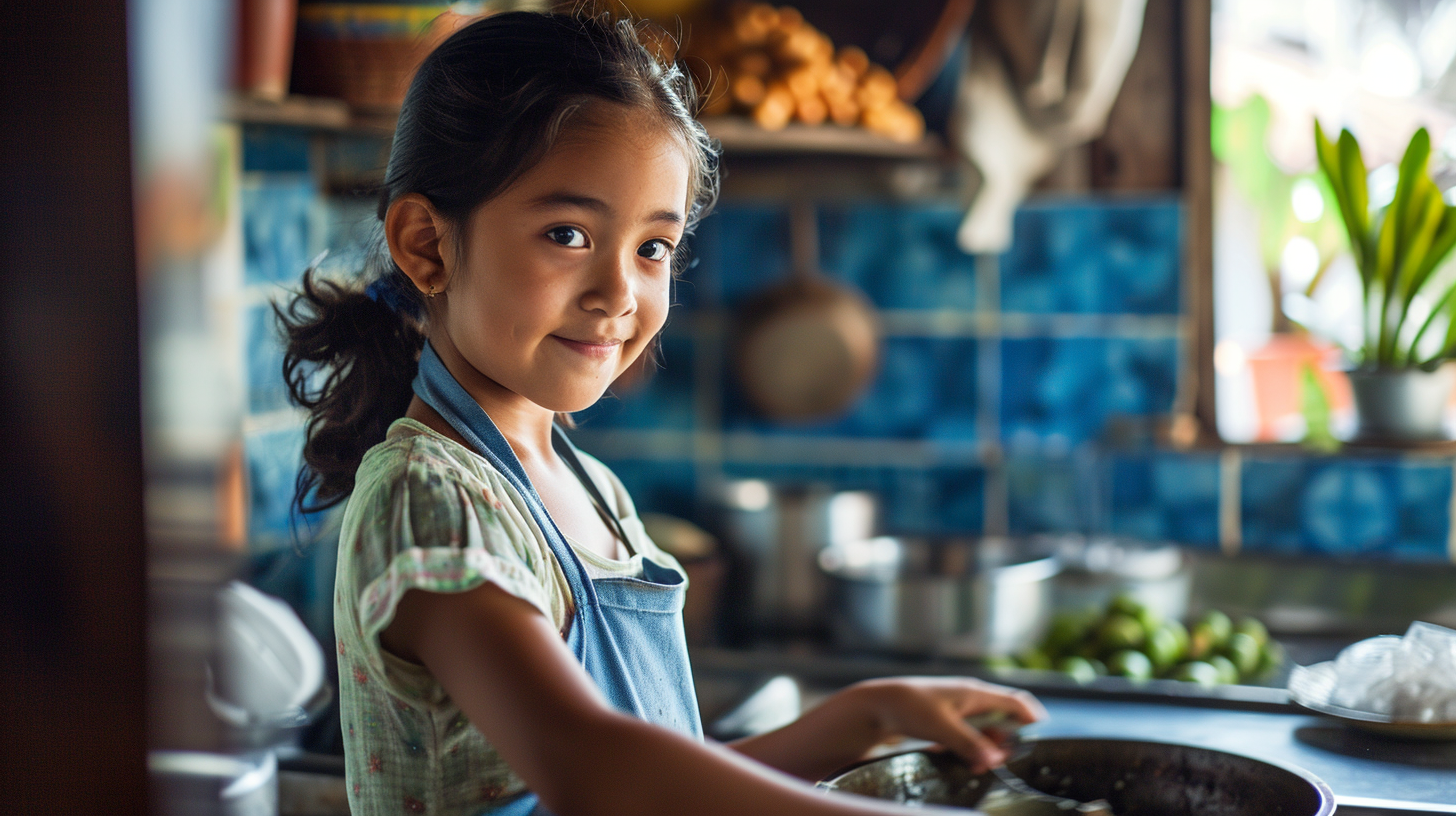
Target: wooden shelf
[[739, 136], [317, 113]]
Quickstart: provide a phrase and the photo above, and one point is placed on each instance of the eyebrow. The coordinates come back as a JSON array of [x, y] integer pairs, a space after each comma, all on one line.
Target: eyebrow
[[563, 199]]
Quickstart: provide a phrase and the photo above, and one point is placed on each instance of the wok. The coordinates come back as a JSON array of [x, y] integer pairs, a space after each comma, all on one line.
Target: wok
[[1136, 779]]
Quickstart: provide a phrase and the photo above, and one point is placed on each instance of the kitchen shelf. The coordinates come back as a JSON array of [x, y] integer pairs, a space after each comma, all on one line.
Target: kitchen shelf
[[737, 134], [313, 112], [741, 136]]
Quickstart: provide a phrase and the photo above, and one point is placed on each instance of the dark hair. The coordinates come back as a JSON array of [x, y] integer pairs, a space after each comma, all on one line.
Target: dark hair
[[483, 109]]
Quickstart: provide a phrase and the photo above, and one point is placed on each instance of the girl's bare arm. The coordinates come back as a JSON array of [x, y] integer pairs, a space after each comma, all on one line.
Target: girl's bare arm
[[848, 724], [508, 669]]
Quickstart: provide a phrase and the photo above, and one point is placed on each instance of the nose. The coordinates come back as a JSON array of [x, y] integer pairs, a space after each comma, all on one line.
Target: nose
[[610, 291]]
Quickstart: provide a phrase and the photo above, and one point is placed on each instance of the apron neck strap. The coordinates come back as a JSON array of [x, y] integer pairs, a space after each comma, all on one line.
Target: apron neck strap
[[438, 388]]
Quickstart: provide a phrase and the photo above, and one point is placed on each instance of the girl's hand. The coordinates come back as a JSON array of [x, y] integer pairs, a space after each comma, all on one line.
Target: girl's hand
[[936, 708], [848, 724]]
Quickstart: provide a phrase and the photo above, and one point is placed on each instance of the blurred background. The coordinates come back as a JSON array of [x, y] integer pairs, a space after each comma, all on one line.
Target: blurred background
[[1009, 312]]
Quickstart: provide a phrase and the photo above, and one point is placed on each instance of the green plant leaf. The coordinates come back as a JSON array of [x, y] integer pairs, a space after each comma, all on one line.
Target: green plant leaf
[[1353, 173], [1443, 306], [1397, 229]]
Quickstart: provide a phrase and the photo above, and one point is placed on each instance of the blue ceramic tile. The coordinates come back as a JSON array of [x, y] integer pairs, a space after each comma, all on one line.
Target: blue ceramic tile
[[742, 249], [903, 257], [1425, 511], [1165, 496], [665, 401], [356, 156], [1100, 257], [264, 360], [273, 460], [925, 389], [350, 228], [959, 500], [280, 229], [1045, 495], [1364, 508], [1270, 492], [1067, 388], [274, 149]]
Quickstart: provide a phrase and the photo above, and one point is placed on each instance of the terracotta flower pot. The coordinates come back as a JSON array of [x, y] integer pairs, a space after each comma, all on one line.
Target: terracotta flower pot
[[1402, 405]]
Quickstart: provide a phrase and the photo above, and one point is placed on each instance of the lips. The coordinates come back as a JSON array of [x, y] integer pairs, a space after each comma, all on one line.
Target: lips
[[595, 349]]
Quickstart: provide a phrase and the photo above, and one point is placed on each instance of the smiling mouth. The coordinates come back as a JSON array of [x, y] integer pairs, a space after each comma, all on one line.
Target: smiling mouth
[[598, 351]]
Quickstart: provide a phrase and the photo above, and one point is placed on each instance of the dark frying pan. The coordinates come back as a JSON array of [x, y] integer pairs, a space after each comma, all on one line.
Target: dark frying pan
[[1136, 778]]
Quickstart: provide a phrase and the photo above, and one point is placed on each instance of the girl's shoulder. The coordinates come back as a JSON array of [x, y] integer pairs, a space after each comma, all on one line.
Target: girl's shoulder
[[415, 454]]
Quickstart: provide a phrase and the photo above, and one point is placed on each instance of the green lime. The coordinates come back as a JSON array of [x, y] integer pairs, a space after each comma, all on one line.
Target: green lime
[[1271, 657], [1254, 629], [1034, 659], [1228, 673], [1066, 632], [1120, 632], [1180, 632], [1149, 619], [1203, 642], [1130, 664], [1080, 669], [1161, 647], [1001, 663], [1197, 671], [1243, 650], [1219, 624], [1124, 604]]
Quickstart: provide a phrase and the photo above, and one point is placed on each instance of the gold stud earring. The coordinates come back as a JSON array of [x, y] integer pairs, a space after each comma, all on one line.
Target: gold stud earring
[[431, 292]]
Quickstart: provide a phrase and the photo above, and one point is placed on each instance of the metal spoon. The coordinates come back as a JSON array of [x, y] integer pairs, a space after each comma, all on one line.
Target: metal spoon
[[1003, 723]]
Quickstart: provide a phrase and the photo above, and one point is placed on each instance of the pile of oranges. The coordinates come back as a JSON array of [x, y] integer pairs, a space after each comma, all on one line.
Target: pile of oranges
[[780, 69]]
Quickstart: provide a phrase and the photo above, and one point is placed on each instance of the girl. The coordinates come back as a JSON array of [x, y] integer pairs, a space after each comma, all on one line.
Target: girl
[[510, 640]]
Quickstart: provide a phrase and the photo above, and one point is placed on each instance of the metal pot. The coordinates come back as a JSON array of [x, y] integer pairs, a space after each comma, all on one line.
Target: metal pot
[[1156, 574], [1136, 779], [957, 597], [778, 531]]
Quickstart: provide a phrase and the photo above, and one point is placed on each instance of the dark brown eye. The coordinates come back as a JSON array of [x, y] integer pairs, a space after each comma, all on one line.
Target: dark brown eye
[[655, 250], [567, 236]]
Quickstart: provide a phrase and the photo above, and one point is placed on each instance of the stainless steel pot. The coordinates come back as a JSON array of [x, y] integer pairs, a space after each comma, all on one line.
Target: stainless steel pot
[[779, 530], [956, 596], [1136, 779]]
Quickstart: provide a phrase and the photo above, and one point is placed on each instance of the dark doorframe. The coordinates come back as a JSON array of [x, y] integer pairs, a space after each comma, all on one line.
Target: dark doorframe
[[72, 554]]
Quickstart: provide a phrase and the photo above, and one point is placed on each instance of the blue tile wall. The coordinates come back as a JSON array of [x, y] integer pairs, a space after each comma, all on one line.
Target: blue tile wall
[[1046, 393], [275, 150], [1163, 496], [902, 257], [280, 227], [925, 389], [266, 389], [273, 457], [740, 250], [1347, 507], [1067, 388], [1094, 257]]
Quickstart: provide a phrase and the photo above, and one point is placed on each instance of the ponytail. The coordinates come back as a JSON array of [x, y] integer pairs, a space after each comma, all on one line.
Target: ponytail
[[365, 345]]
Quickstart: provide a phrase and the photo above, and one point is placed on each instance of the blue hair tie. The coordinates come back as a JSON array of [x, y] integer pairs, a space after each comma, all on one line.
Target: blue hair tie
[[383, 290]]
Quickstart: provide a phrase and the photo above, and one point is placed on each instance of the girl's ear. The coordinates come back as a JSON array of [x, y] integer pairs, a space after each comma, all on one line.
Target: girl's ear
[[414, 231]]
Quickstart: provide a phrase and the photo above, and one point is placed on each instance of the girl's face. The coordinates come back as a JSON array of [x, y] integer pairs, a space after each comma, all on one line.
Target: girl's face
[[563, 279]]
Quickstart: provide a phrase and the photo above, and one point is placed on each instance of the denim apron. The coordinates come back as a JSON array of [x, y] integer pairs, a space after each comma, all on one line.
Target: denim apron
[[627, 632]]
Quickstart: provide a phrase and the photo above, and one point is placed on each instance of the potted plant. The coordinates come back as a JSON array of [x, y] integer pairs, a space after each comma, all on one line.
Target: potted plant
[[1400, 384]]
